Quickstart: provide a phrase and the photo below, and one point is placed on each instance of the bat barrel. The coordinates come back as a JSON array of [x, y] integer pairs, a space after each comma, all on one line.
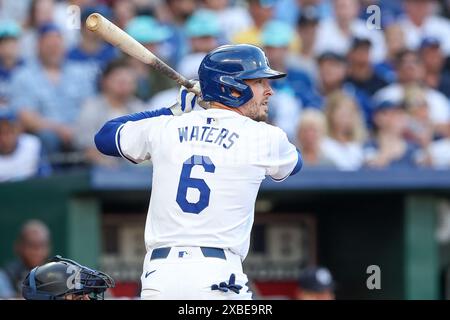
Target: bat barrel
[[109, 32]]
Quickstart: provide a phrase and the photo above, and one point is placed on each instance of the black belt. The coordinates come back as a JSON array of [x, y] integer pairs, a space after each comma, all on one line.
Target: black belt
[[162, 253]]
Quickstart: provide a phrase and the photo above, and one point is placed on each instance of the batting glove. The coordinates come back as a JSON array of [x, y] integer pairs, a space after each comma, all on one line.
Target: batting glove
[[186, 100]]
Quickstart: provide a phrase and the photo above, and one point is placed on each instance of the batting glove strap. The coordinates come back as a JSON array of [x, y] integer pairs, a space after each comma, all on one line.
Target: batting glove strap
[[186, 100]]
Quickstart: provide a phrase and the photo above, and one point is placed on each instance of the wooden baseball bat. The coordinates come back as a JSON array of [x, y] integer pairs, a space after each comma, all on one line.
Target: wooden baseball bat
[[120, 39]]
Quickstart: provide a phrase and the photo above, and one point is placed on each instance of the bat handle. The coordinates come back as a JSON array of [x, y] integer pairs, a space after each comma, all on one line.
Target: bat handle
[[190, 86]]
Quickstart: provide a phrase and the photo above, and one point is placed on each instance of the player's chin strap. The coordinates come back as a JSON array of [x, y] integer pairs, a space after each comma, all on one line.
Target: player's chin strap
[[224, 287]]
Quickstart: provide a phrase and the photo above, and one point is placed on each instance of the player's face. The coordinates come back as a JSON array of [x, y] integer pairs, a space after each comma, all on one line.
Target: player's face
[[258, 107]]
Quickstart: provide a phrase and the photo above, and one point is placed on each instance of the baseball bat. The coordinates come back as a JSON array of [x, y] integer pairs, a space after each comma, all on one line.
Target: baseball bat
[[120, 39]]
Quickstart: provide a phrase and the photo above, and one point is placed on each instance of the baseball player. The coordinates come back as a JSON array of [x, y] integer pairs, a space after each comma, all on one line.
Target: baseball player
[[207, 169]]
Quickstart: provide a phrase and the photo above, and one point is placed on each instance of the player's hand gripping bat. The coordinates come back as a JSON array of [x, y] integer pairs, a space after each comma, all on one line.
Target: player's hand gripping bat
[[120, 39]]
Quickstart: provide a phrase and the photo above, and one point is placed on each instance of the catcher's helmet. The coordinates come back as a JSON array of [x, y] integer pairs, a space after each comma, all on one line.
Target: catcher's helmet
[[224, 69], [60, 277]]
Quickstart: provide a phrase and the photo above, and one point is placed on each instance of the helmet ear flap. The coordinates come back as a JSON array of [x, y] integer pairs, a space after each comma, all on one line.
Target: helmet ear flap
[[229, 86], [231, 82]]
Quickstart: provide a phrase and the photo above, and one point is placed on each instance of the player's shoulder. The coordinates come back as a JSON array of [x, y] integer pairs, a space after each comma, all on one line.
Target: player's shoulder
[[152, 124], [272, 129]]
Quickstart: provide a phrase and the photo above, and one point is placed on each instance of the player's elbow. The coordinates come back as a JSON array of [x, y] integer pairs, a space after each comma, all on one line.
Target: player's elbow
[[105, 140], [299, 164], [98, 140]]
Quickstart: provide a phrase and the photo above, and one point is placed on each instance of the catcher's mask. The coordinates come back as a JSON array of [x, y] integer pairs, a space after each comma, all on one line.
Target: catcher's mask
[[60, 277]]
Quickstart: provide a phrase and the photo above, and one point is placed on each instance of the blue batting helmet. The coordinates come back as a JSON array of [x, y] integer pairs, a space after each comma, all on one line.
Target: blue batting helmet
[[224, 70]]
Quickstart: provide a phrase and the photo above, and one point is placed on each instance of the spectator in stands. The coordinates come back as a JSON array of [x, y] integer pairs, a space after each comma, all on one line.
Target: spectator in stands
[[178, 11], [395, 43], [92, 50], [290, 10], [145, 7], [360, 70], [123, 12], [286, 103], [40, 12], [152, 35], [203, 31], [20, 154], [433, 58], [410, 71], [275, 39], [9, 58], [261, 12], [6, 289], [346, 132], [307, 31], [231, 19], [32, 249], [332, 69], [332, 73], [437, 155], [335, 34], [420, 128], [421, 21], [311, 131], [419, 131], [48, 92], [15, 10], [116, 98], [315, 283], [388, 147]]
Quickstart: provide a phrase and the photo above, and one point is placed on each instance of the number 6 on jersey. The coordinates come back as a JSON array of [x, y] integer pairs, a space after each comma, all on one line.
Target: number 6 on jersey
[[186, 182]]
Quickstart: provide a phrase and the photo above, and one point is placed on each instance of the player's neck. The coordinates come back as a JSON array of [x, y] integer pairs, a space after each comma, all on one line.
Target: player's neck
[[218, 105]]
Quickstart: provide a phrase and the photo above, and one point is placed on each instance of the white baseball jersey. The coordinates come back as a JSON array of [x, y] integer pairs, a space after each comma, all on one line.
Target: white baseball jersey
[[207, 169]]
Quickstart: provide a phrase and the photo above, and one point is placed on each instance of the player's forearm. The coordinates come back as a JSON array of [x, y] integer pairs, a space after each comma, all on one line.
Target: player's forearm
[[105, 139]]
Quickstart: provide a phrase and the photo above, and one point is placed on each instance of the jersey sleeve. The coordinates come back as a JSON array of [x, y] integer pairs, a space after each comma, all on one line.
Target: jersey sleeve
[[136, 140], [283, 159]]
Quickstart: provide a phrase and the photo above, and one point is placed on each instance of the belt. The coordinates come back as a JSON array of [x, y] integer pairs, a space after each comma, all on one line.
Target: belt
[[163, 253]]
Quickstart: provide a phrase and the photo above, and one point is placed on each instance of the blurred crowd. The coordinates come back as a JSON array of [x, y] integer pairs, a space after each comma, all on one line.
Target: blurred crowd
[[362, 90]]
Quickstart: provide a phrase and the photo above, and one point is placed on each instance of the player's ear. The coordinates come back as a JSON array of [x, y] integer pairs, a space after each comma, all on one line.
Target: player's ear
[[235, 94]]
